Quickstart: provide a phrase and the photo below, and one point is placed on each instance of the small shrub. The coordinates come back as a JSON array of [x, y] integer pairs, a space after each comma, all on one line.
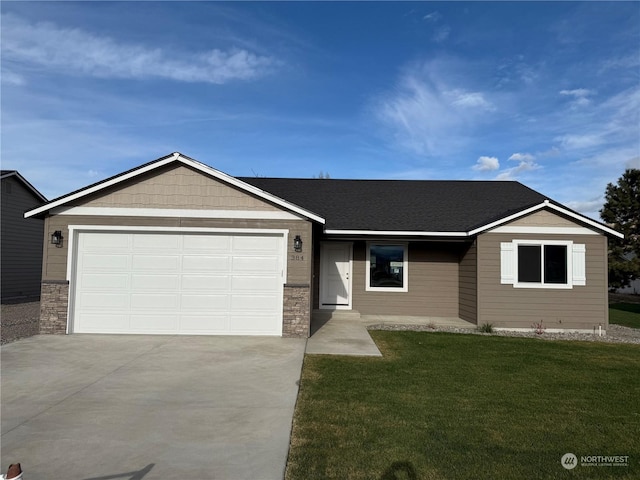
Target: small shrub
[[431, 326], [486, 328], [538, 328]]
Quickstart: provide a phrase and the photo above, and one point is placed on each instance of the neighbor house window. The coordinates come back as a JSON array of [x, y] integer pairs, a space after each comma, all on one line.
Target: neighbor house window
[[387, 267], [542, 264]]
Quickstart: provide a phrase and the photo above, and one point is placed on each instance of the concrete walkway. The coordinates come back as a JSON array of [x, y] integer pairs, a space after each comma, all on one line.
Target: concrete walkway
[[344, 332], [98, 407], [340, 334]]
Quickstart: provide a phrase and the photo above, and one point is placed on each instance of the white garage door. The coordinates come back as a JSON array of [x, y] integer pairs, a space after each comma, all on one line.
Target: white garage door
[[178, 283]]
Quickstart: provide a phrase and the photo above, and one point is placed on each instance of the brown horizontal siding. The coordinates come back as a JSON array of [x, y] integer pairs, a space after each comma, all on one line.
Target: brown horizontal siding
[[176, 187], [467, 286], [433, 283], [544, 218], [298, 268], [582, 307]]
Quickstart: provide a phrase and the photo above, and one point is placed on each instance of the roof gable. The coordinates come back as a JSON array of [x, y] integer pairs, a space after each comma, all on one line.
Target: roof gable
[[162, 162], [14, 173]]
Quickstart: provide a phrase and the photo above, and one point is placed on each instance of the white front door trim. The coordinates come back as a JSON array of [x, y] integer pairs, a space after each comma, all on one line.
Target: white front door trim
[[345, 270]]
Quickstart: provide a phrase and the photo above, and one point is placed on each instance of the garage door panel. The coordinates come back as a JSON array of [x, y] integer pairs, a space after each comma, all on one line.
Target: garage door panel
[[206, 283], [153, 323], [104, 241], [104, 281], [206, 263], [253, 303], [158, 263], [256, 264], [104, 262], [207, 243], [105, 323], [205, 302], [248, 244], [255, 284], [150, 241], [148, 282], [154, 301], [99, 300], [178, 283]]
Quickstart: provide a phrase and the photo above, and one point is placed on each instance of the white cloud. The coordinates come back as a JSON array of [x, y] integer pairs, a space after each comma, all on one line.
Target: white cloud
[[471, 99], [513, 172], [486, 164], [579, 95], [633, 163], [576, 142], [11, 78], [441, 34], [72, 50], [428, 115], [432, 17], [522, 157]]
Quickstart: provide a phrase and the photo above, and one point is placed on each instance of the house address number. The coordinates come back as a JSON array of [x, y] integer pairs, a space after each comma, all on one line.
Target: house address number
[[295, 257]]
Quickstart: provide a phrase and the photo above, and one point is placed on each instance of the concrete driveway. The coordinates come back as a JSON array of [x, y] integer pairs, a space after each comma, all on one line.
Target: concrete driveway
[[149, 407]]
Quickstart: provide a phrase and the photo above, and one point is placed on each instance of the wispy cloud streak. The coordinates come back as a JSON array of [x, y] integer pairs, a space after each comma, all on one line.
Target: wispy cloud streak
[[75, 51]]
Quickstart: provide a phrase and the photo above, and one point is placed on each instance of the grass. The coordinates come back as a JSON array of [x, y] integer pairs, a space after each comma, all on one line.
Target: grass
[[626, 314], [451, 406]]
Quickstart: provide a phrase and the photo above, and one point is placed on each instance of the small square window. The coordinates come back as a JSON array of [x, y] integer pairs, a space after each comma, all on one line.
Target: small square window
[[387, 267]]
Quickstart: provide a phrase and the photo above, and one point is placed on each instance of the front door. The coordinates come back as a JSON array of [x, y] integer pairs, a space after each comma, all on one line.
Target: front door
[[335, 275]]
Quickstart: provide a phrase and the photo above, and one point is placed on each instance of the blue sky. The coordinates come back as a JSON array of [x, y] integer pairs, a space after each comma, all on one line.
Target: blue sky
[[546, 93]]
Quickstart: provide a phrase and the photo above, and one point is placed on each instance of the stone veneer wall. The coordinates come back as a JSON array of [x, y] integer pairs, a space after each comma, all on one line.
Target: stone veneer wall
[[54, 301], [297, 312]]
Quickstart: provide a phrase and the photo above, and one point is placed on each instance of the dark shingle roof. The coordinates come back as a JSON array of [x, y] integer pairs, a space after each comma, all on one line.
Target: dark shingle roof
[[403, 205]]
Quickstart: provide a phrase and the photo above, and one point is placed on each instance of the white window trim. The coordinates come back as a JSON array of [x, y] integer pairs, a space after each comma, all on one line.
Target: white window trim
[[405, 268], [541, 244]]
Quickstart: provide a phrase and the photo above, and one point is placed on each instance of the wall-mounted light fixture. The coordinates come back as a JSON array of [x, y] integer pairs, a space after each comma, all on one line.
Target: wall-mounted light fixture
[[297, 243], [56, 238]]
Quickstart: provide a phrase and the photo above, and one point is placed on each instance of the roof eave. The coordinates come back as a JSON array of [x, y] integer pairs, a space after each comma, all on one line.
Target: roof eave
[[552, 206]]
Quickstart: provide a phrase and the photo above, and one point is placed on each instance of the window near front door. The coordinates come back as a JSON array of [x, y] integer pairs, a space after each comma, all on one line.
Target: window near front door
[[387, 267]]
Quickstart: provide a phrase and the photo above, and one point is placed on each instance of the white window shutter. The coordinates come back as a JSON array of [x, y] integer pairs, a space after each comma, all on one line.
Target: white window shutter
[[507, 263], [579, 264]]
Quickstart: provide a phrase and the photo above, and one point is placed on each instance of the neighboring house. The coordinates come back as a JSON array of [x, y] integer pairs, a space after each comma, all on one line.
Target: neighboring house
[[177, 247], [21, 249]]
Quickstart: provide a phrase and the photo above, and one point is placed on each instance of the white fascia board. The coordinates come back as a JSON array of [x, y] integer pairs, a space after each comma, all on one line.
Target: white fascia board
[[102, 186], [186, 161], [396, 233], [546, 204]]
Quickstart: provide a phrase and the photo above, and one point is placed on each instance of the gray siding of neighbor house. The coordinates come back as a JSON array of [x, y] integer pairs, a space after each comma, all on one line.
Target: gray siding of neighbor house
[[21, 242], [467, 287], [433, 283], [581, 307]]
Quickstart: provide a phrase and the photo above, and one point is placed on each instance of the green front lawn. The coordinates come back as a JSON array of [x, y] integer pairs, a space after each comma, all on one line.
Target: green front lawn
[[627, 314], [452, 406]]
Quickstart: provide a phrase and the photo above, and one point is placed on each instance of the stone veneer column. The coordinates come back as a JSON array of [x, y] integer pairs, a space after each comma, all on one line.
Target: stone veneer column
[[54, 302], [297, 313]]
